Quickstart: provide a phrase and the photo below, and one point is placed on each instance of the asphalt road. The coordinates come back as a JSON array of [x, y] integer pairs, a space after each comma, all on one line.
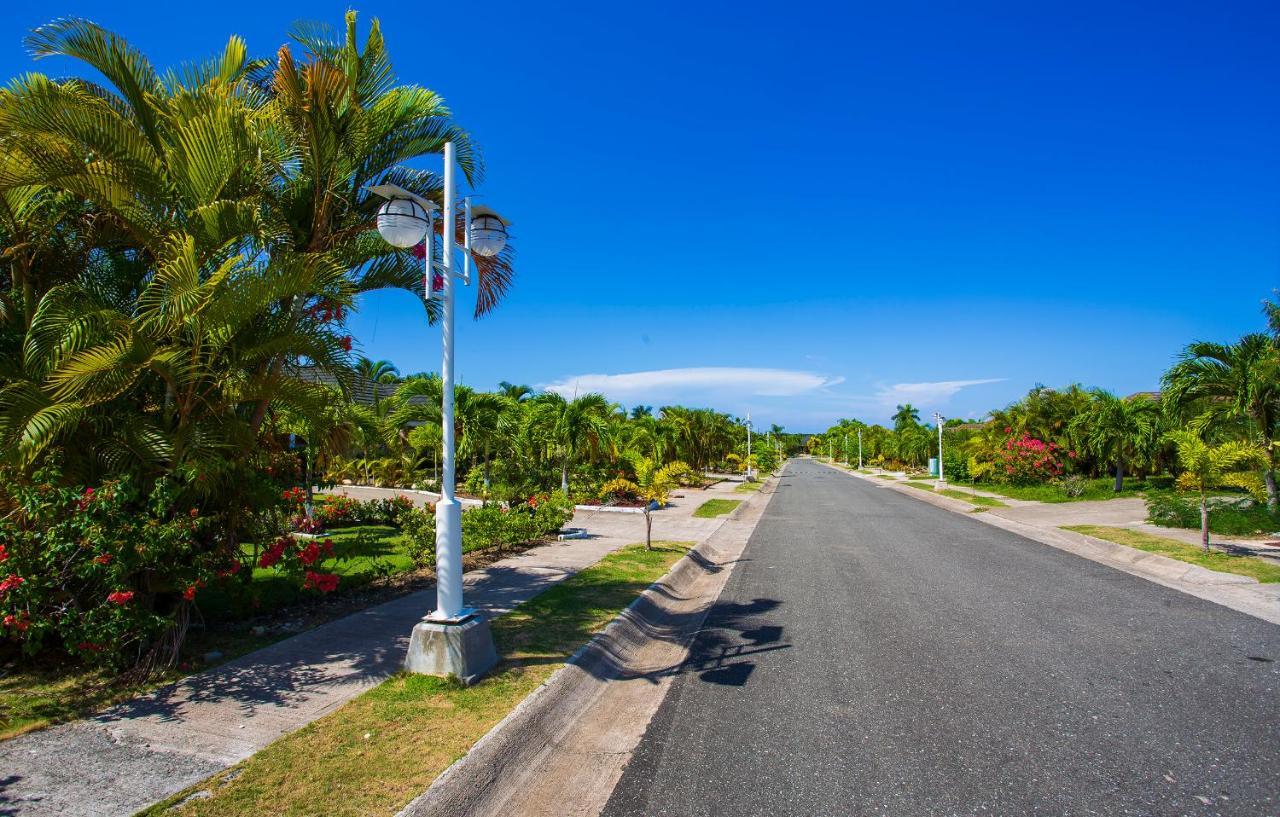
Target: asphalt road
[[874, 654]]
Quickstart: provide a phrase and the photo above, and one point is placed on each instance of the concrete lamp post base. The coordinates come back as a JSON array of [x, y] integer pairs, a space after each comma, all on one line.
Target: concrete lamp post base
[[461, 647]]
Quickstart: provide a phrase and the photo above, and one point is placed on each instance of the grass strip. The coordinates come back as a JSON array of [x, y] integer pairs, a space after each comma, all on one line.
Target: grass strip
[[385, 747], [886, 476], [748, 487], [716, 507], [1264, 571], [973, 499]]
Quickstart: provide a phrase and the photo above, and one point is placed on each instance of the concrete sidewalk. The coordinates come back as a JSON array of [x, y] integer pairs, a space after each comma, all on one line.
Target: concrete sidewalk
[[135, 754]]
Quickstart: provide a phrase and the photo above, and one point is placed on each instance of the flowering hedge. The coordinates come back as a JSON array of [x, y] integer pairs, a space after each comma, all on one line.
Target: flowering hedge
[[341, 511]]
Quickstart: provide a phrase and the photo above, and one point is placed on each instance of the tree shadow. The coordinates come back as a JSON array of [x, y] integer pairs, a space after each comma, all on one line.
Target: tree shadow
[[721, 638]]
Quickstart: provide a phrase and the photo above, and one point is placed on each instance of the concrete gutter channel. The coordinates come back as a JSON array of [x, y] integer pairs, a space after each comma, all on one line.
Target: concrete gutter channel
[[1240, 593], [562, 750]]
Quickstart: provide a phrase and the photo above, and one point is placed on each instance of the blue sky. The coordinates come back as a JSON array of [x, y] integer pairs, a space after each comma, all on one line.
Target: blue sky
[[827, 209]]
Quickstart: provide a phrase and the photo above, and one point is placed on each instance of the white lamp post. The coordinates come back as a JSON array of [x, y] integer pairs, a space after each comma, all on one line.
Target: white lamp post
[[859, 449], [452, 639], [939, 419], [748, 446]]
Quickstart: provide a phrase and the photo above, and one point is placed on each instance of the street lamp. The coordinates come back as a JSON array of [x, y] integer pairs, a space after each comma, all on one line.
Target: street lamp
[[452, 639], [939, 419], [859, 449], [748, 446]]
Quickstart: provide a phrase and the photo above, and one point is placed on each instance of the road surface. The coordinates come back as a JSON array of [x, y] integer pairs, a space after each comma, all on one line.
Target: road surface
[[874, 654]]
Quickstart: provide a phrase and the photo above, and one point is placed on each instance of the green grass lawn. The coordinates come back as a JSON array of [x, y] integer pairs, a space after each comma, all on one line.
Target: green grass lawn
[[1095, 489], [886, 476], [385, 747], [49, 692], [716, 507], [975, 499], [748, 487], [1263, 570]]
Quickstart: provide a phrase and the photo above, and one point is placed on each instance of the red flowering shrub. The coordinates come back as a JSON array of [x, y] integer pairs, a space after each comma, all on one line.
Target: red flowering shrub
[[99, 572], [1026, 460]]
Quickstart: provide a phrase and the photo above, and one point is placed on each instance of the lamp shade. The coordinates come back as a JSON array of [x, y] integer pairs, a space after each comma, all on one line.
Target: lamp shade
[[402, 222], [488, 235]]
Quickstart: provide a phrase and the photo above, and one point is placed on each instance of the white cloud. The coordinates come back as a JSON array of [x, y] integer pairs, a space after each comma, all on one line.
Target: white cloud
[[926, 393], [709, 381]]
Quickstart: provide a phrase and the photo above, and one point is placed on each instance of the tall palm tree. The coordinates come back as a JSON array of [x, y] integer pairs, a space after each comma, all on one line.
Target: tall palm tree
[[906, 415], [1118, 430], [1235, 382], [572, 427]]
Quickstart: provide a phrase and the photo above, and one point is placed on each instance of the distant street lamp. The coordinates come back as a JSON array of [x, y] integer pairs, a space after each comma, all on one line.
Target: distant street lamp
[[748, 446], [452, 639], [859, 449], [939, 419]]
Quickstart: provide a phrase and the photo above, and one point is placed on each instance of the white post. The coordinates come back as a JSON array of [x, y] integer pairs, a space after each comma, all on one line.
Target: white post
[[748, 446], [938, 418], [448, 511], [859, 449]]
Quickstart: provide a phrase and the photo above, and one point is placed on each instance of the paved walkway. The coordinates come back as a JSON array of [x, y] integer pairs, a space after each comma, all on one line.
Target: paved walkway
[[147, 749]]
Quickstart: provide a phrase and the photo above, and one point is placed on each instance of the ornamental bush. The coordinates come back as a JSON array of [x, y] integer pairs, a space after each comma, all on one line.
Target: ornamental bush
[[1026, 460], [489, 527], [103, 573]]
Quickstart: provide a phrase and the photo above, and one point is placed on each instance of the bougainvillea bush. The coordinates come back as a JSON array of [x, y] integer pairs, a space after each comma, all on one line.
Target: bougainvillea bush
[[1025, 460]]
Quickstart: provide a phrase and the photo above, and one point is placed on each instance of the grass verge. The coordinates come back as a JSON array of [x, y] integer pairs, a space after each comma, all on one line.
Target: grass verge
[[1264, 571], [385, 747], [1095, 489], [973, 499], [748, 487], [886, 476], [716, 507]]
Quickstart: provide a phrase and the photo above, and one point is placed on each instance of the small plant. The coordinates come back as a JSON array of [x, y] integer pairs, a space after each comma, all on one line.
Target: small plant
[[1209, 463], [1073, 485]]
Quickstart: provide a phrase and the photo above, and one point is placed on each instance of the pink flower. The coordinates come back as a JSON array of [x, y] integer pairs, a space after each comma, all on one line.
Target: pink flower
[[11, 582], [121, 597]]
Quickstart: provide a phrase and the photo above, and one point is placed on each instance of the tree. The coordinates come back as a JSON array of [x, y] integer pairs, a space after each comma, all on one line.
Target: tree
[[1118, 430], [1239, 382], [1208, 463], [571, 427], [906, 415]]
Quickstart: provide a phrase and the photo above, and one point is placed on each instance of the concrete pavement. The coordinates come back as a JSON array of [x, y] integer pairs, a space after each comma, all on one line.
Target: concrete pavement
[[922, 662]]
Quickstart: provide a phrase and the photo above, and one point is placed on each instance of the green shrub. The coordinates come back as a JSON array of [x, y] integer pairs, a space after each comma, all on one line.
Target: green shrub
[[419, 526], [619, 490]]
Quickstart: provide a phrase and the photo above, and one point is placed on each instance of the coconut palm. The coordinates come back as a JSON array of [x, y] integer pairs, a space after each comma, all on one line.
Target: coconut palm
[[1235, 383], [1118, 430], [1208, 463]]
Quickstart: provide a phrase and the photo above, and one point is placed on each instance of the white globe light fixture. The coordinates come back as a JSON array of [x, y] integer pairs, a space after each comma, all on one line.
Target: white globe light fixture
[[402, 222], [488, 232]]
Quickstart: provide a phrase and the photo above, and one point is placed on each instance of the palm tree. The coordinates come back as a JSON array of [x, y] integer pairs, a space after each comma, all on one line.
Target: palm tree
[[572, 427], [1236, 382], [1118, 430], [1208, 463], [906, 415], [517, 392]]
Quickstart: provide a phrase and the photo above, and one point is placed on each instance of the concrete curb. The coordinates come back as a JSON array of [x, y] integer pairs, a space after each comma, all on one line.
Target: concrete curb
[[1240, 593], [492, 776]]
